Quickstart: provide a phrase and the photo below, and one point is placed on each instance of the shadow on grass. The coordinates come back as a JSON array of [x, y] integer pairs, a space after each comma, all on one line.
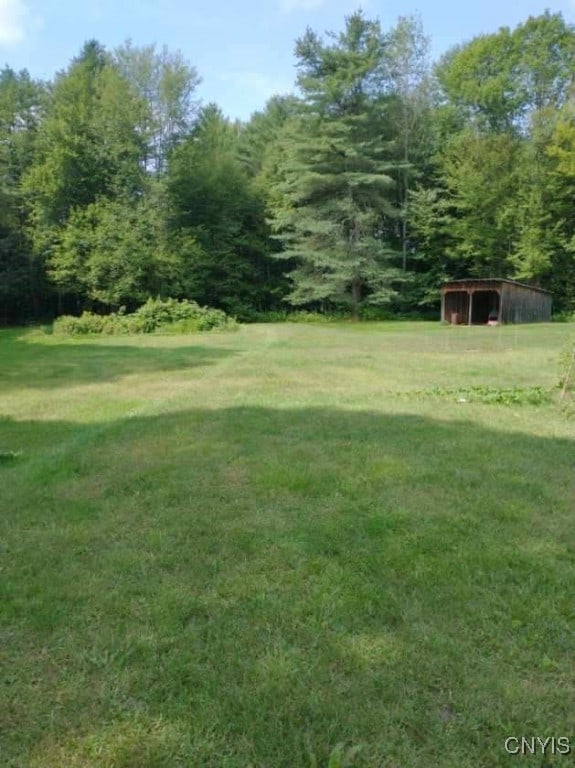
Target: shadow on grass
[[26, 362], [236, 587]]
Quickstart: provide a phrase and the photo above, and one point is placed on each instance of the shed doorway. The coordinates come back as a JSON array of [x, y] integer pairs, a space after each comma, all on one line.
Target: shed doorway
[[457, 307], [485, 306]]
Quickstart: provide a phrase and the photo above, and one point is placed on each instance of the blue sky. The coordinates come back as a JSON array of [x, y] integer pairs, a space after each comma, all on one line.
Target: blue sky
[[242, 50]]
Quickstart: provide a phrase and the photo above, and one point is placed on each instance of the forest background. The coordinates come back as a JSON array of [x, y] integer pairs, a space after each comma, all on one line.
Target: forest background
[[382, 176]]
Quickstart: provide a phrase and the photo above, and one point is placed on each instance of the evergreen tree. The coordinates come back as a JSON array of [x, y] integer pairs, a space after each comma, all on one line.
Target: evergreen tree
[[333, 208]]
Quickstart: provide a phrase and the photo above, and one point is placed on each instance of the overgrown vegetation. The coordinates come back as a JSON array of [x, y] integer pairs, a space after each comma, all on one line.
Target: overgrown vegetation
[[156, 315], [388, 174], [493, 395], [567, 375]]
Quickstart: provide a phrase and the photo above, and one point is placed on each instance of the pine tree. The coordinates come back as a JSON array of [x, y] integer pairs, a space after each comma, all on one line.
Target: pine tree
[[332, 200]]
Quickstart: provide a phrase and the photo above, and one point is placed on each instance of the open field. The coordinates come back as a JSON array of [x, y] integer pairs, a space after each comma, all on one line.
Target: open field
[[242, 549]]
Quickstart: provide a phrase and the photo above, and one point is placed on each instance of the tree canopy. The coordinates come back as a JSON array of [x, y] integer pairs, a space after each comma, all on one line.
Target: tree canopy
[[381, 176]]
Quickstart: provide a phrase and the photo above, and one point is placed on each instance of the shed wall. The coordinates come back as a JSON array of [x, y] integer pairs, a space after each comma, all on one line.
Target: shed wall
[[520, 305]]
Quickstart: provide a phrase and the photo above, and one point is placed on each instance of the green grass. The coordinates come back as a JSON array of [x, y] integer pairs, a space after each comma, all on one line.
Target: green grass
[[248, 548]]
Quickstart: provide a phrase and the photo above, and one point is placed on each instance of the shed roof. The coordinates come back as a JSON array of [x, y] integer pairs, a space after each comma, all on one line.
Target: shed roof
[[494, 280]]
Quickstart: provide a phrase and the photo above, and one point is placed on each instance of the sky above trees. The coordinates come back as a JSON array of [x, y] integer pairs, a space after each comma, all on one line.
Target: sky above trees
[[243, 51]]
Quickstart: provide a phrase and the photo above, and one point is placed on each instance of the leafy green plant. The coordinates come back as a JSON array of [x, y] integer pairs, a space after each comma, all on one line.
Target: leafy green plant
[[7, 457], [257, 316], [567, 363], [375, 313], [298, 316], [563, 317], [87, 323], [155, 316], [340, 757], [189, 325], [491, 395], [303, 316]]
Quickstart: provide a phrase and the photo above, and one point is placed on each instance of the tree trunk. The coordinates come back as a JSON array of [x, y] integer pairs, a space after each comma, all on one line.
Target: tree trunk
[[355, 297], [405, 200], [404, 241]]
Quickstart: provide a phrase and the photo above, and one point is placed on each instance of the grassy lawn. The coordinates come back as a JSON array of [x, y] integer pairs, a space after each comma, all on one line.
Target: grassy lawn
[[242, 549]]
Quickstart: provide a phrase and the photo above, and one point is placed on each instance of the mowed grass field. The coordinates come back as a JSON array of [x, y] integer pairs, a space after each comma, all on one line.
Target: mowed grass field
[[244, 549]]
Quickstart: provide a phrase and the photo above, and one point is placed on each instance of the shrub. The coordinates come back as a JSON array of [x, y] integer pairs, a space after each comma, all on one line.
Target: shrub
[[375, 313], [297, 316], [88, 322], [566, 316], [367, 313], [156, 315], [263, 316], [211, 319], [191, 325], [304, 316]]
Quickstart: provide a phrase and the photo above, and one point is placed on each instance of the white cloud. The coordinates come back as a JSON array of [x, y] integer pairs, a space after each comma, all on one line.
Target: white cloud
[[300, 5], [14, 16]]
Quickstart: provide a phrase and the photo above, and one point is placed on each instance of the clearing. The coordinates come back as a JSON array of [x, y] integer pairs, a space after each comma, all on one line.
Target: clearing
[[242, 549]]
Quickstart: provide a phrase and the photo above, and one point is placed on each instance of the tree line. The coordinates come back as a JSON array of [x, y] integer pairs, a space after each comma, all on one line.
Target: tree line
[[385, 175]]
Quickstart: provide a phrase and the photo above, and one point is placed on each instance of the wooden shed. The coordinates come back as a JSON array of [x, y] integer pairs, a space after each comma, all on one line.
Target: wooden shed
[[477, 302]]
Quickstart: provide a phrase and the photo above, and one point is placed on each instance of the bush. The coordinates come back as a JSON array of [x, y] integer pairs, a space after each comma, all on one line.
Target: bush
[[305, 316], [77, 326], [563, 317], [367, 313], [372, 313], [155, 316], [298, 316], [261, 316], [156, 313]]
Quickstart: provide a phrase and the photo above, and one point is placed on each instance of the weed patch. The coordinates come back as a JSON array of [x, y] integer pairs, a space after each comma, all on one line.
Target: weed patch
[[484, 394], [9, 457]]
